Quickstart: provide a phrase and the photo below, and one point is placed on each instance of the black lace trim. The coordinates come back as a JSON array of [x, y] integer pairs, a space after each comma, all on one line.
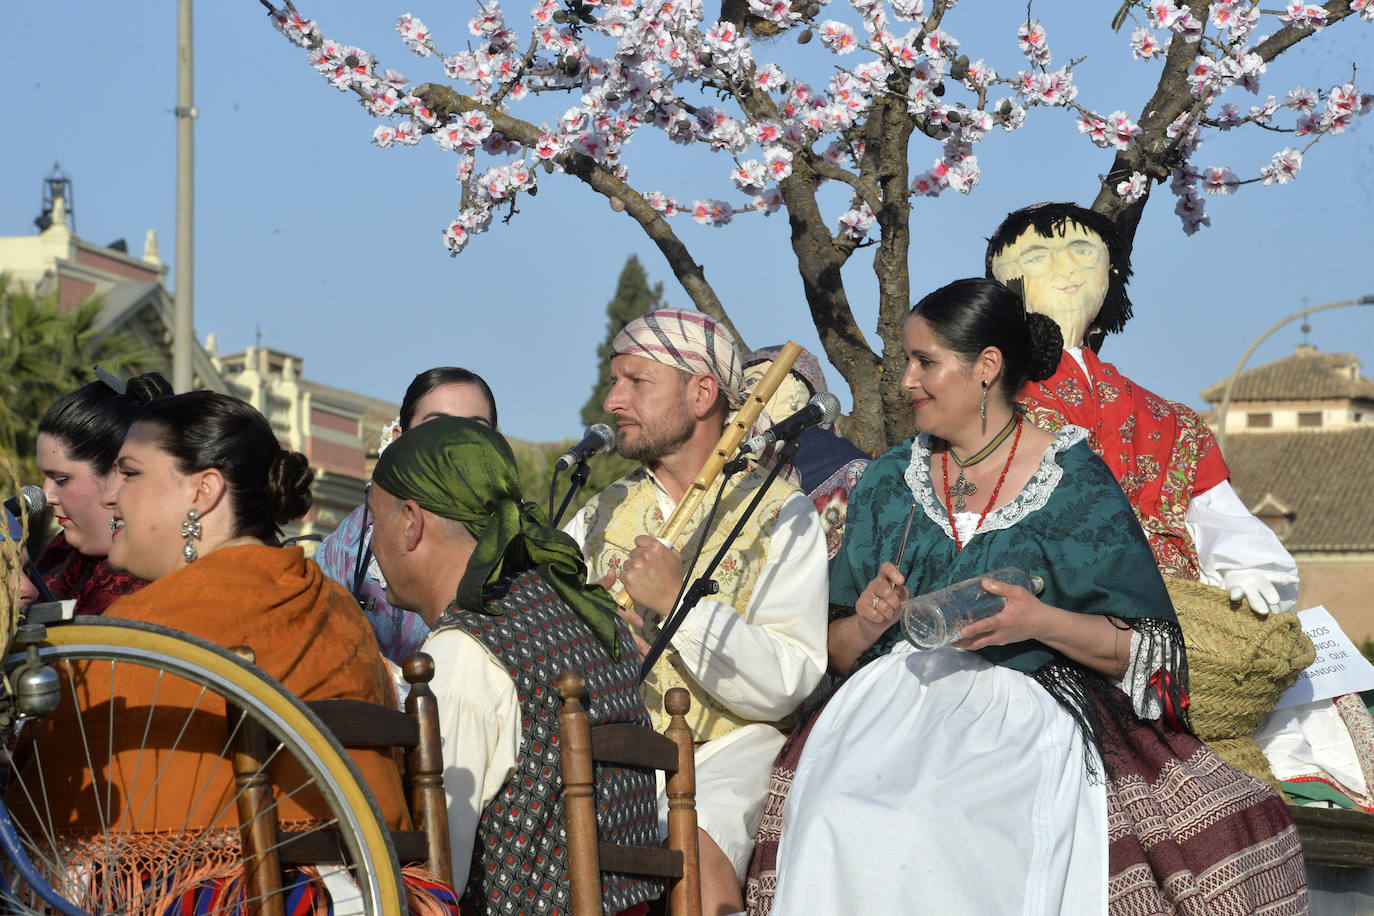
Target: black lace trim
[[1087, 696]]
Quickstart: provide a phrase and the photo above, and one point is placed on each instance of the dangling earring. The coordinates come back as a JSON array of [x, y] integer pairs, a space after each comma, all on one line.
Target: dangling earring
[[983, 407], [190, 529]]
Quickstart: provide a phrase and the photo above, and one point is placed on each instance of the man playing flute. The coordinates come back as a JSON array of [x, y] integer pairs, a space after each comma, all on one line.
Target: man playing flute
[[750, 653]]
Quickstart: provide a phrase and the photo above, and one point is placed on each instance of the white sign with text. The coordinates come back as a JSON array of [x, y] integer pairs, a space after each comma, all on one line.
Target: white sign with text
[[1339, 667]]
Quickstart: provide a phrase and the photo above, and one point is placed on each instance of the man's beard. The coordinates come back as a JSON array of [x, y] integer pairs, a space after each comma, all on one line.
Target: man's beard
[[652, 444]]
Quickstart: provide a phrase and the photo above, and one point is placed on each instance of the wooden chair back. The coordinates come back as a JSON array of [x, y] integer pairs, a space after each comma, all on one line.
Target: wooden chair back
[[635, 746], [267, 849]]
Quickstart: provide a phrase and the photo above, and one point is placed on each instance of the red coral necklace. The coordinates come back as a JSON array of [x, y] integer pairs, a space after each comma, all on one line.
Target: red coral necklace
[[949, 501]]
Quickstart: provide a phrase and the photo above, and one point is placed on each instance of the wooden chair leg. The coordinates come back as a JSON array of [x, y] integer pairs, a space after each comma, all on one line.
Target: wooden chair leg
[[425, 766], [262, 873], [579, 803], [685, 895]]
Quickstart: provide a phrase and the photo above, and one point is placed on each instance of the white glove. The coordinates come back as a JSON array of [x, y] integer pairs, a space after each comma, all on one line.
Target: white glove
[[1256, 587]]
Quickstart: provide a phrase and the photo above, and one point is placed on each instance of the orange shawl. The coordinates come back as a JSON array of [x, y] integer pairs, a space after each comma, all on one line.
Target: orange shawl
[[305, 630]]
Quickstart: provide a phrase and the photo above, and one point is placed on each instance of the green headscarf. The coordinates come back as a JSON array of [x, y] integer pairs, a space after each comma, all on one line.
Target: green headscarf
[[462, 470]]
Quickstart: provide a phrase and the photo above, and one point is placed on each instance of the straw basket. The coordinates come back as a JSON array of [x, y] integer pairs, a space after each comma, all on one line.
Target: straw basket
[[1239, 664]]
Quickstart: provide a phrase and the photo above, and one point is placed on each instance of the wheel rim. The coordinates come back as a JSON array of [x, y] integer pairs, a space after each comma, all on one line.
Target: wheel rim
[[99, 660]]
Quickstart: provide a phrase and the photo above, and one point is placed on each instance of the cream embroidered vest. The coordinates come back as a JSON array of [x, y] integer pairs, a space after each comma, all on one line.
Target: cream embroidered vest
[[629, 508]]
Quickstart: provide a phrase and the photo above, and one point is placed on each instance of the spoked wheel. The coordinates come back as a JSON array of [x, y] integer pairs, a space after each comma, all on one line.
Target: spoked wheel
[[125, 798]]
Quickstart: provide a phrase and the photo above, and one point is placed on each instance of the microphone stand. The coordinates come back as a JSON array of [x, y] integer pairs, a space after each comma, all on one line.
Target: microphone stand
[[579, 477], [704, 585]]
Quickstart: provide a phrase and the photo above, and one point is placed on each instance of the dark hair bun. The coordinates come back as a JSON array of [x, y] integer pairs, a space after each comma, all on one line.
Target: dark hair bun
[[147, 387], [1046, 346], [288, 486]]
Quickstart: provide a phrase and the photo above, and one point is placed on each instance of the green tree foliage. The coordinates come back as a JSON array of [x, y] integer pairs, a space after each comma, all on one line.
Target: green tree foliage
[[46, 351], [633, 297]]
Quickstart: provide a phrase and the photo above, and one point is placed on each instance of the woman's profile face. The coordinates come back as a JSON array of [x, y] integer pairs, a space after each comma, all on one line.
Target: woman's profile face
[[74, 489], [148, 497], [943, 391]]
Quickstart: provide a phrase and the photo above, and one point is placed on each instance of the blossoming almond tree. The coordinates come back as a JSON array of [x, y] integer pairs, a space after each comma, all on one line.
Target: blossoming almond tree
[[891, 79]]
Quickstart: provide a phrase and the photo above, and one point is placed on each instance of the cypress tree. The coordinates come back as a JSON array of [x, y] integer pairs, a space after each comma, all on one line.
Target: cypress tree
[[633, 297]]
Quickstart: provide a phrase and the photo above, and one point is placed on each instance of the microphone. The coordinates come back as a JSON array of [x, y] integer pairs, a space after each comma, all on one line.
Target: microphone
[[598, 440], [822, 409], [32, 499]]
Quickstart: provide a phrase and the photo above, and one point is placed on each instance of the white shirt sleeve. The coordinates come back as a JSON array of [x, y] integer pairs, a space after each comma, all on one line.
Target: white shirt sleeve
[[762, 664], [1231, 542], [479, 722]]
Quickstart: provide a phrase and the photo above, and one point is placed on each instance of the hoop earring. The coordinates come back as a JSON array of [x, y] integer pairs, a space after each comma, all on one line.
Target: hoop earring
[[982, 408], [190, 529]]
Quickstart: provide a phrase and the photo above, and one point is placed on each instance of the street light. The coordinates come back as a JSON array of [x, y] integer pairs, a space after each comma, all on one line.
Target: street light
[[1235, 373]]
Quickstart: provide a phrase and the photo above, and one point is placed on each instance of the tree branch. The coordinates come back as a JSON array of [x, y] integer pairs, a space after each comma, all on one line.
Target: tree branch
[[446, 101]]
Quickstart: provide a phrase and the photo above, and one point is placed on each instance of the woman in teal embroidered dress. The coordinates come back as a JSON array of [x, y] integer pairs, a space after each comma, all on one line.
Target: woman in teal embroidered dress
[[984, 777]]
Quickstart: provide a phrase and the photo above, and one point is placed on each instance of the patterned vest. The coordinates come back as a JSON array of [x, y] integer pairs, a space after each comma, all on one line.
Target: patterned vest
[[520, 859], [628, 508]]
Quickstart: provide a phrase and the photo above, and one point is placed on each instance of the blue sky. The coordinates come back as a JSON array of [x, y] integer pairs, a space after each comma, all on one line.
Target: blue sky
[[332, 247]]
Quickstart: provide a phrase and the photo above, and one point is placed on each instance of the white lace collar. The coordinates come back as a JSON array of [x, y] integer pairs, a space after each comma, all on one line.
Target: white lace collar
[[1032, 497]]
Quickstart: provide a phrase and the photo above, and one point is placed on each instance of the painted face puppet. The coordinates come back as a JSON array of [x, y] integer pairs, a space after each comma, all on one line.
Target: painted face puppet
[[1065, 275]]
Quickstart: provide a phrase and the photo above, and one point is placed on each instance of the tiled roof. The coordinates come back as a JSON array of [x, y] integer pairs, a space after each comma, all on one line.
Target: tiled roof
[[1325, 477], [1306, 375]]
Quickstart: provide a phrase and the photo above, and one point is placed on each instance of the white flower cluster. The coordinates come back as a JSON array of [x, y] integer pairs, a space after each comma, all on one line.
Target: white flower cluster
[[630, 64]]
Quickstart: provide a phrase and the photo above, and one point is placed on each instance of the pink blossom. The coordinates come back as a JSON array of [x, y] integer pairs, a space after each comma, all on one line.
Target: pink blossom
[[908, 10], [1133, 188], [769, 201], [1365, 8], [1283, 168], [450, 136], [709, 212], [1304, 15], [963, 175], [1144, 45], [939, 44], [980, 74], [1201, 75], [779, 162], [1190, 210], [300, 31], [1218, 179], [779, 11], [661, 202], [382, 101], [465, 167], [855, 223], [456, 238], [414, 33], [838, 37], [1163, 14], [769, 77], [1095, 128], [487, 22], [1301, 99], [749, 176], [927, 184], [384, 135], [407, 133], [1030, 38]]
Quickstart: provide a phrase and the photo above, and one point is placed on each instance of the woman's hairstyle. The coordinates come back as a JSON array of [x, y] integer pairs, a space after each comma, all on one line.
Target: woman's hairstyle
[[91, 421], [268, 485], [1048, 220], [971, 315], [430, 379]]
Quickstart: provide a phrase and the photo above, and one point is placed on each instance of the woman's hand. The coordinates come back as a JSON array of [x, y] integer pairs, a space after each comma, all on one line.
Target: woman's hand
[[1089, 639], [1023, 617], [880, 603]]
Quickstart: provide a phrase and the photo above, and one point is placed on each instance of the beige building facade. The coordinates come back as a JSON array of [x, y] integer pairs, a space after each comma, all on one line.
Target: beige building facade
[[1300, 444], [336, 429]]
